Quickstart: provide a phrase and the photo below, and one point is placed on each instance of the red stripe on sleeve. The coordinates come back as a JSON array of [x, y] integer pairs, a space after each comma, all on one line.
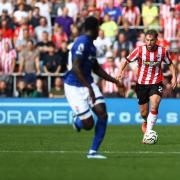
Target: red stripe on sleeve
[[132, 56], [139, 61], [160, 75], [154, 67], [146, 67]]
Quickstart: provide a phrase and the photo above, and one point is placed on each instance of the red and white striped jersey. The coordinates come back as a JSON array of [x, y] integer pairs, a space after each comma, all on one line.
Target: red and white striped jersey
[[131, 14], [164, 11], [6, 60], [149, 63], [170, 28]]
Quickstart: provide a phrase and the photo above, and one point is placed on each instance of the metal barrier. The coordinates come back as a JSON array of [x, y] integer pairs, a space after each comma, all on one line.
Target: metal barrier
[[48, 76]]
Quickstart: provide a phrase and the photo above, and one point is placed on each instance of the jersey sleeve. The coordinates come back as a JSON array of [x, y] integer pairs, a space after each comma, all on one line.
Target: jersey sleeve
[[167, 58], [133, 55]]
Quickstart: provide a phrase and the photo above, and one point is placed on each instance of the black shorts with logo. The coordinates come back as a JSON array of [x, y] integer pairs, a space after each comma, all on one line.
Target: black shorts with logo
[[144, 91]]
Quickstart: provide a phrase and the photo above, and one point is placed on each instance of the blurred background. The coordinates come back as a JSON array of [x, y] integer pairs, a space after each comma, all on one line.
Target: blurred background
[[36, 35]]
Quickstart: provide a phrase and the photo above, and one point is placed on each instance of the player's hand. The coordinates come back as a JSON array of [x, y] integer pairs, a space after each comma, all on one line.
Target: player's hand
[[118, 83], [119, 76], [173, 82], [92, 95]]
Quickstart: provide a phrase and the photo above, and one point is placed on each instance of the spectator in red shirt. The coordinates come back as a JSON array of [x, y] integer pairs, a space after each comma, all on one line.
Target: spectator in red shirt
[[18, 32], [161, 41], [59, 36], [5, 30]]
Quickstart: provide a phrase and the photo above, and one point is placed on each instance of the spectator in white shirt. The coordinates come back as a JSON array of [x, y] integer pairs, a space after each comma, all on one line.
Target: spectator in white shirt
[[4, 5], [20, 14], [102, 44], [41, 28], [45, 9], [72, 9]]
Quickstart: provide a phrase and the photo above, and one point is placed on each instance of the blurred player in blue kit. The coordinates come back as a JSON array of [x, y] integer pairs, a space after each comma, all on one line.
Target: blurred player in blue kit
[[81, 92]]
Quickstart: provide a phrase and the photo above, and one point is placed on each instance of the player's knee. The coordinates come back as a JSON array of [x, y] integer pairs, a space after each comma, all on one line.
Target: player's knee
[[155, 104], [103, 116], [144, 113], [154, 109], [100, 111], [88, 124], [88, 127]]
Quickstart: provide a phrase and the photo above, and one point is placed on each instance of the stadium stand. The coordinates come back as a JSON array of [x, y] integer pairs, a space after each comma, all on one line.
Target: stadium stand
[[35, 36]]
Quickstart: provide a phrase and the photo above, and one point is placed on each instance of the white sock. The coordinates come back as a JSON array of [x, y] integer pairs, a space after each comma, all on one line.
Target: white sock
[[151, 120], [92, 151]]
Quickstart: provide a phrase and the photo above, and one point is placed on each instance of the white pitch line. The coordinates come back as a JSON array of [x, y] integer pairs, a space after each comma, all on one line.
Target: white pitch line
[[83, 152]]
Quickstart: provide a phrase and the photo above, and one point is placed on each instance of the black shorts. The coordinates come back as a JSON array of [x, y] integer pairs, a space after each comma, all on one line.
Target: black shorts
[[144, 91]]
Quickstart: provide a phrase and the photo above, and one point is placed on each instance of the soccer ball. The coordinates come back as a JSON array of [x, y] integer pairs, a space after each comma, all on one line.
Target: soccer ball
[[150, 137]]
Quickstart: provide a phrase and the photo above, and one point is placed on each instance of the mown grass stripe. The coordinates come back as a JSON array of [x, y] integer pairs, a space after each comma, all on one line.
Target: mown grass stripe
[[81, 152]]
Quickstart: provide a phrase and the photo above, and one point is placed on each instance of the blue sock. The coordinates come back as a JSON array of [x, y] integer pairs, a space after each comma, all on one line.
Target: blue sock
[[100, 130], [78, 123]]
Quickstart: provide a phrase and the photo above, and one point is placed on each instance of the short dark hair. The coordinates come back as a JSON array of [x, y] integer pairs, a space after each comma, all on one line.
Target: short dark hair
[[91, 23], [31, 41], [52, 45], [152, 32], [172, 9]]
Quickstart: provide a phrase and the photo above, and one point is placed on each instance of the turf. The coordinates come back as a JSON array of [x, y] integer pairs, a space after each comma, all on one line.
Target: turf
[[59, 153]]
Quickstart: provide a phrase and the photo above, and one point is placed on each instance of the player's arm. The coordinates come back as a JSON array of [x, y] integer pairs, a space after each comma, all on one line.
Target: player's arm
[[122, 66], [76, 68], [172, 68], [124, 62], [174, 75], [100, 72]]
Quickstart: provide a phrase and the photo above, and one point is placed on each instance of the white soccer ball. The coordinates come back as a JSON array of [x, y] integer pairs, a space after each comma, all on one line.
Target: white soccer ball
[[150, 137]]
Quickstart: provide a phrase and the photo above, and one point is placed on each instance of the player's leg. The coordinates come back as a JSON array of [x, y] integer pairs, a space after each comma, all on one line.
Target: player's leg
[[144, 110], [99, 109], [77, 98], [100, 130], [101, 124], [155, 98], [142, 92], [83, 123], [152, 117]]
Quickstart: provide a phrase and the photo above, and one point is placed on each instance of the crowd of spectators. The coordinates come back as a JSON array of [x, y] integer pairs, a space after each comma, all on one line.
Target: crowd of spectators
[[36, 35]]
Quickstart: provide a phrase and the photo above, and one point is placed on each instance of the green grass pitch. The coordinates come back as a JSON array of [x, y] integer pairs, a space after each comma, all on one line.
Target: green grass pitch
[[59, 153]]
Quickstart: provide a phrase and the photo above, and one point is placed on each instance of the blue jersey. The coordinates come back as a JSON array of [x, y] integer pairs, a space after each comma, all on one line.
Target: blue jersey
[[83, 49]]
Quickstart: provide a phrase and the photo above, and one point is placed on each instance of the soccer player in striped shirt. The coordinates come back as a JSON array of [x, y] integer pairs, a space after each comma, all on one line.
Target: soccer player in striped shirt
[[149, 85]]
